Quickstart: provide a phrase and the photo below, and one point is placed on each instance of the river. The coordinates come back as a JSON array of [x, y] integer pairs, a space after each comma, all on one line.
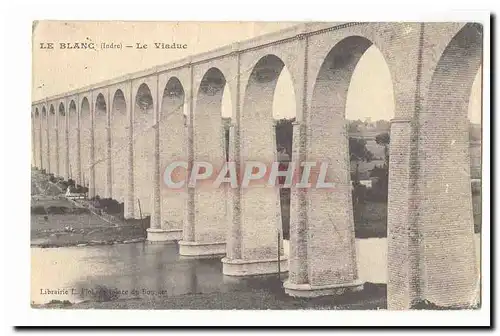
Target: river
[[142, 269]]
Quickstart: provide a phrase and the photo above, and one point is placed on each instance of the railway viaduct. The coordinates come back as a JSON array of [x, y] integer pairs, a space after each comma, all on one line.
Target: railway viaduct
[[117, 136]]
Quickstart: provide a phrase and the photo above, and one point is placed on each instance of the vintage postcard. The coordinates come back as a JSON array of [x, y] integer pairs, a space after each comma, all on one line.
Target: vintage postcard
[[257, 165]]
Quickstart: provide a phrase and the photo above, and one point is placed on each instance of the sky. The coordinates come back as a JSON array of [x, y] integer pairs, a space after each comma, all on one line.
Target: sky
[[57, 71]]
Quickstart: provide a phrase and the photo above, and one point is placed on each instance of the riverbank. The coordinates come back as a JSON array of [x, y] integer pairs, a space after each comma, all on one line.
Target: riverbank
[[373, 297], [59, 222]]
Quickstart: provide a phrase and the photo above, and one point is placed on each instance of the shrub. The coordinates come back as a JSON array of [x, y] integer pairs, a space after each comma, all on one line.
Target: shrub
[[63, 184], [81, 190]]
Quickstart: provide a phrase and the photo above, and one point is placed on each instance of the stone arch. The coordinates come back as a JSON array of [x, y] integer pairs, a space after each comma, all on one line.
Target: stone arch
[[208, 204], [53, 140], [100, 145], [38, 139], [119, 126], [446, 222], [86, 131], [45, 140], [207, 116], [333, 259], [62, 139], [73, 142], [172, 147], [143, 142], [258, 143]]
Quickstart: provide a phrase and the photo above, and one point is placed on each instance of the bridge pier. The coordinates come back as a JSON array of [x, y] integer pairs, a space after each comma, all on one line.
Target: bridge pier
[[205, 230], [322, 241]]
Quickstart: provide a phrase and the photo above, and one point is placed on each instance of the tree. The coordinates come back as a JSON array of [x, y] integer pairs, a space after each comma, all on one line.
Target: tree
[[383, 139], [284, 134], [358, 153], [226, 124], [353, 126]]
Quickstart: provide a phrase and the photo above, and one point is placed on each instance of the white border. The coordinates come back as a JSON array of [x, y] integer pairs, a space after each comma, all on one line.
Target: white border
[[17, 101]]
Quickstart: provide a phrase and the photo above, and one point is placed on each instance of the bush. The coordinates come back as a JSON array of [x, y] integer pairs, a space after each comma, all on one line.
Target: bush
[[63, 184], [81, 190], [108, 205], [52, 178]]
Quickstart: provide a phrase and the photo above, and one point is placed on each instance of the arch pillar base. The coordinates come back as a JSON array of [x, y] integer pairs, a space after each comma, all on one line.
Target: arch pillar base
[[160, 235], [196, 249], [310, 291], [241, 267]]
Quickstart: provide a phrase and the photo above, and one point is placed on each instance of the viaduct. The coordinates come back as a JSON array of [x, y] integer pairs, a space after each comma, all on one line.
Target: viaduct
[[117, 136]]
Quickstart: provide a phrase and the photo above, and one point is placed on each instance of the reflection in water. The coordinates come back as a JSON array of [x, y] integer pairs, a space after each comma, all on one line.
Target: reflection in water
[[153, 270]]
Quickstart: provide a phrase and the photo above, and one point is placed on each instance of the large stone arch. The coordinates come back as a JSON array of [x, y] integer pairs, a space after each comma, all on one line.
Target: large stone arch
[[62, 140], [208, 204], [38, 139], [33, 137], [53, 140], [324, 258], [45, 140], [172, 148], [143, 148], [442, 197], [101, 144], [74, 171], [256, 249], [119, 129], [86, 155]]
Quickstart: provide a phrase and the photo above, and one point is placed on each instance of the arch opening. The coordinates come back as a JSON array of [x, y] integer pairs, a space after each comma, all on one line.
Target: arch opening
[[143, 120], [53, 141], [266, 131], [37, 144], [62, 140], [340, 90], [100, 145], [85, 141], [45, 141], [369, 107], [210, 145], [73, 143], [173, 135], [119, 125]]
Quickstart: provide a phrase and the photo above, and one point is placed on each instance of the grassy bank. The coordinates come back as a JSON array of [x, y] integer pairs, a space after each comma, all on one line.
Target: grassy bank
[[57, 221]]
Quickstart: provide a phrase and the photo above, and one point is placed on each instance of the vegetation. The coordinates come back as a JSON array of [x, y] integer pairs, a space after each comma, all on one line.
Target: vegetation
[[107, 205]]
